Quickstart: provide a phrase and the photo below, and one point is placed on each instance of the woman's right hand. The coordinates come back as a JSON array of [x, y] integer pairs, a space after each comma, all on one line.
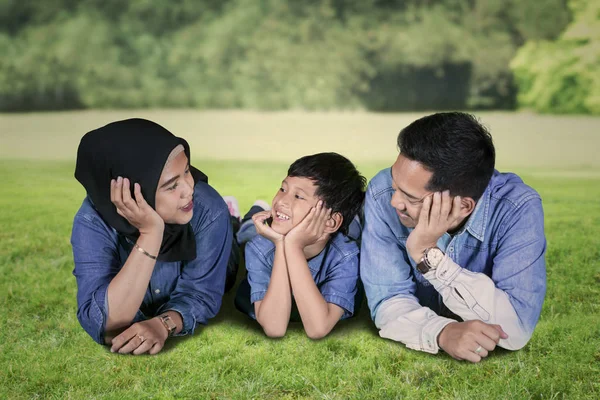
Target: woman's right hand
[[136, 211], [265, 230]]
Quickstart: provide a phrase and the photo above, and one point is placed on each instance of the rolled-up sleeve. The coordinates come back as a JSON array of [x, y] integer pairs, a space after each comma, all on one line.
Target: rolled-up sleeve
[[96, 264], [341, 284], [199, 289], [259, 270]]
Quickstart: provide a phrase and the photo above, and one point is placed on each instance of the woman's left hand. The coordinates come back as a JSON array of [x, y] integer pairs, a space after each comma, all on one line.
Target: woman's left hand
[[142, 337]]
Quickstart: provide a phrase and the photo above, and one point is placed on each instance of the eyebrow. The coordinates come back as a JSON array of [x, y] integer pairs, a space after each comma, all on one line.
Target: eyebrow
[[167, 183], [297, 188], [400, 189], [173, 179]]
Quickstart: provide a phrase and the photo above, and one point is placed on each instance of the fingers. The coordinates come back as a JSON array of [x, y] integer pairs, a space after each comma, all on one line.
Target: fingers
[[492, 332], [122, 339], [126, 190], [139, 197], [486, 343], [481, 351], [446, 205], [503, 335], [434, 214], [455, 213], [120, 195], [156, 348], [424, 215], [144, 347], [136, 341]]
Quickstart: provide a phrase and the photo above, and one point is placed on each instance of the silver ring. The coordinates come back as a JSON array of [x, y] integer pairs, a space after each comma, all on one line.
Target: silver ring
[[478, 349], [142, 339]]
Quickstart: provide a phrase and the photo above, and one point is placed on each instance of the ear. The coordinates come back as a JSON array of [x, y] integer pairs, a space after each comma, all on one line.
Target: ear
[[334, 222], [467, 205]]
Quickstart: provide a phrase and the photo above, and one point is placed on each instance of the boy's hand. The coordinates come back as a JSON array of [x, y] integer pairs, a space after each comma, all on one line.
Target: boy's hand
[[438, 214], [311, 229], [265, 230]]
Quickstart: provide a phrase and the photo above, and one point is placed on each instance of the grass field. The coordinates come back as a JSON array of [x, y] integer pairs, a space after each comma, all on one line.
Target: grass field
[[44, 353]]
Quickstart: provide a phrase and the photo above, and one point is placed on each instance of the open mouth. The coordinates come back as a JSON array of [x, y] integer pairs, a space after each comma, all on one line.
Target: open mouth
[[188, 207], [279, 216]]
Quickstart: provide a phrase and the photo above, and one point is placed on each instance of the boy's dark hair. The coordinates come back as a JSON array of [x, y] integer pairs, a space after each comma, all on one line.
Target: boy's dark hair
[[456, 147], [339, 184]]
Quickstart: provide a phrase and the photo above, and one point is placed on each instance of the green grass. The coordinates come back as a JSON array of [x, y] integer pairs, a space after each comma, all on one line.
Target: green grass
[[44, 353]]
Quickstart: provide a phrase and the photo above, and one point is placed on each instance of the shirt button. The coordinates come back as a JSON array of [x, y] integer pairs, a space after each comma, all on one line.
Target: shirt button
[[157, 291]]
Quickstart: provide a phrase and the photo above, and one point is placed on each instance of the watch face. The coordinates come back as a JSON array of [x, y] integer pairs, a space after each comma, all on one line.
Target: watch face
[[434, 257]]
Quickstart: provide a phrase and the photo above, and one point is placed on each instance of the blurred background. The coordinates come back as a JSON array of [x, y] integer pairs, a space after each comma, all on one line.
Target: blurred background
[[376, 55]]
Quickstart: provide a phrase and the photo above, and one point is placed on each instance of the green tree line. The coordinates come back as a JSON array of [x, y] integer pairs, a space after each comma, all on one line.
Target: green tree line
[[382, 55]]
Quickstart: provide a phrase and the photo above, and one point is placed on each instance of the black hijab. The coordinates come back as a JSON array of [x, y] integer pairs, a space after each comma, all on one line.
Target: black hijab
[[136, 149]]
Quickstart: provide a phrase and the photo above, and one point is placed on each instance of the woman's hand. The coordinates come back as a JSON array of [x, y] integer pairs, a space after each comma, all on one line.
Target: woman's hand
[[136, 211], [142, 337]]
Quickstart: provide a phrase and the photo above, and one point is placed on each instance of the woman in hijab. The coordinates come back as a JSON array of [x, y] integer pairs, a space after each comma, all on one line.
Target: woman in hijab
[[151, 241]]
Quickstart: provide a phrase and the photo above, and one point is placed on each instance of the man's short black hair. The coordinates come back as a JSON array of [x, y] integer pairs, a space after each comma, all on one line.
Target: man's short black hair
[[456, 148], [339, 184]]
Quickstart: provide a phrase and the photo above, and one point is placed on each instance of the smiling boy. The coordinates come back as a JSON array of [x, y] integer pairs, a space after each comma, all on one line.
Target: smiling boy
[[302, 252]]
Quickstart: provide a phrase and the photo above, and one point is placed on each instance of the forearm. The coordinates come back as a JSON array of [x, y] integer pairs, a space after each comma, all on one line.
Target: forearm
[[404, 320], [474, 296], [318, 316], [273, 312], [127, 289]]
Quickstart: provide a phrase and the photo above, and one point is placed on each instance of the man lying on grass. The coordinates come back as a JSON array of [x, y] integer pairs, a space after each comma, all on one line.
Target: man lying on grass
[[452, 253], [303, 253]]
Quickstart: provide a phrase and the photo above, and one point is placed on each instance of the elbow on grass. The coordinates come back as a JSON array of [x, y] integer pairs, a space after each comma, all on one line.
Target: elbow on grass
[[316, 333], [274, 332]]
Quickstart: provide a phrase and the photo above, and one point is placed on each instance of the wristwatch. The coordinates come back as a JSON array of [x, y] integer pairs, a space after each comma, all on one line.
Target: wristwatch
[[168, 323], [432, 257]]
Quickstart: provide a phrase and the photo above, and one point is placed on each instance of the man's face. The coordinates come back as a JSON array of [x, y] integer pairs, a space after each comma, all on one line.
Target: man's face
[[292, 203], [409, 180]]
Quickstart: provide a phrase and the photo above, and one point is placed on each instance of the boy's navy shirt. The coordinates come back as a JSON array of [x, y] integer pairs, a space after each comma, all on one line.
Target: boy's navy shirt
[[335, 270]]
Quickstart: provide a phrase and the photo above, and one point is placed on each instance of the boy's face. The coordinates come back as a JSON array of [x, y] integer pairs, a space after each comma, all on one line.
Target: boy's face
[[292, 203]]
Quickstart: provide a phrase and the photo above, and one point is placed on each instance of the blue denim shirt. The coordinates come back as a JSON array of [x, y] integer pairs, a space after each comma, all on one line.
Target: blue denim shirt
[[192, 288], [334, 270], [503, 239]]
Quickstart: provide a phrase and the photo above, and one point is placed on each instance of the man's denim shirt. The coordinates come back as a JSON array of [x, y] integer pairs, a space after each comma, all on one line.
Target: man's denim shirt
[[503, 239], [334, 270], [192, 288]]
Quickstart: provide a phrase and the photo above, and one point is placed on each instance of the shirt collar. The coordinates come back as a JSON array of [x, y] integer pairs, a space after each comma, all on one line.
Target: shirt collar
[[477, 223]]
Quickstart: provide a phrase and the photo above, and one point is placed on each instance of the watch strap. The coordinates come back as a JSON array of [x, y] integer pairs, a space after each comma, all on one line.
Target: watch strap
[[168, 323]]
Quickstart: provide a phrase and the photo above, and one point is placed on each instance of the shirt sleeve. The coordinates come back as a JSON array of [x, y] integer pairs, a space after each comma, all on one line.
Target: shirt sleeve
[[513, 296], [389, 286], [259, 271], [96, 263], [340, 285], [199, 289]]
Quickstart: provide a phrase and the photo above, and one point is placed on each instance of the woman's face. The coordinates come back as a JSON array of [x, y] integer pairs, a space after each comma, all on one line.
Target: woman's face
[[174, 194]]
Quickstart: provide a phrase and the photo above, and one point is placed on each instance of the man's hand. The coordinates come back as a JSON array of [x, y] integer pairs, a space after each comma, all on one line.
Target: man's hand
[[265, 230], [439, 213], [136, 211], [311, 229], [471, 340], [142, 337]]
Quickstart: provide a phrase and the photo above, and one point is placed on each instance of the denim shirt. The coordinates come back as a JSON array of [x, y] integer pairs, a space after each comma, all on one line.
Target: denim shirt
[[192, 288], [334, 270], [494, 266]]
